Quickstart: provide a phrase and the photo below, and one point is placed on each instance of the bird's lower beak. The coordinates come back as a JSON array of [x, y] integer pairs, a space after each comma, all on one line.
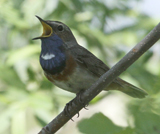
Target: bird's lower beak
[[47, 29]]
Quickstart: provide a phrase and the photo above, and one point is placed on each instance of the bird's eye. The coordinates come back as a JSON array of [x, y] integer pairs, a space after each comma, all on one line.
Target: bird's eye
[[60, 28]]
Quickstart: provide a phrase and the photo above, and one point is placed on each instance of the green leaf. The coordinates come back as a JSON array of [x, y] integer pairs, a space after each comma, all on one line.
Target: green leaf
[[98, 124], [9, 76], [22, 53], [126, 131], [147, 123]]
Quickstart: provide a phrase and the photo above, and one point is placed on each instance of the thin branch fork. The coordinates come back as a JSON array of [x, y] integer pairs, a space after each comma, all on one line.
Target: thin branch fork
[[104, 81]]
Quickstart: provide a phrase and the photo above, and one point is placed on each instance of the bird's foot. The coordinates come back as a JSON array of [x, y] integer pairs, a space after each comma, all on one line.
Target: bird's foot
[[66, 109], [78, 96], [69, 104]]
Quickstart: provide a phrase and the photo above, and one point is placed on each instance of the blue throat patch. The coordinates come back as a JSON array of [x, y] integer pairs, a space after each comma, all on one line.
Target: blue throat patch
[[52, 57]]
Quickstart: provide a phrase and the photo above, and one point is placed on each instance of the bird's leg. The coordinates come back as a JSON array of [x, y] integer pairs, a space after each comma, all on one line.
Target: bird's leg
[[78, 96], [66, 109], [69, 104]]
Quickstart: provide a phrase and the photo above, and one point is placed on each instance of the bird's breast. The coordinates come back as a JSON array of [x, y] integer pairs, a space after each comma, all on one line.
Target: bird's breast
[[70, 66], [73, 78]]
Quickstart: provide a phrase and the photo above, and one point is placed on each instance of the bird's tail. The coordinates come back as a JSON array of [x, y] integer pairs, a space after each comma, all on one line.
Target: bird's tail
[[130, 89]]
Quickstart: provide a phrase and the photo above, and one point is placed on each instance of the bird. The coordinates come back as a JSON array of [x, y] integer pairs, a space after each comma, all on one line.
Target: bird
[[70, 66]]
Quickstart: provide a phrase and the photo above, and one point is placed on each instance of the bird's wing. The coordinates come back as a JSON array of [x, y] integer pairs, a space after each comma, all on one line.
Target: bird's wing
[[98, 68], [88, 60]]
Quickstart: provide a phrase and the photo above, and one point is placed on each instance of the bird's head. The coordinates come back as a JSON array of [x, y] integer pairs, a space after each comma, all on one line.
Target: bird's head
[[51, 28], [56, 39]]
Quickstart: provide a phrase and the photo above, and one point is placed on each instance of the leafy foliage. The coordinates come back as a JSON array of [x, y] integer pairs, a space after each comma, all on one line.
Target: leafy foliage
[[102, 125], [107, 28]]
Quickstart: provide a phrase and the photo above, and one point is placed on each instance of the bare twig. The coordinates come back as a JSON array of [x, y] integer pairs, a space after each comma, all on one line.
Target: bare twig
[[104, 80]]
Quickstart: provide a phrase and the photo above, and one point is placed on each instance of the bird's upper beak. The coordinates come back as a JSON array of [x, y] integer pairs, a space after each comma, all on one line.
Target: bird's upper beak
[[47, 29]]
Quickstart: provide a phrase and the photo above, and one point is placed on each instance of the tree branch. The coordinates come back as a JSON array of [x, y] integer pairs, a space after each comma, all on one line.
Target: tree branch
[[104, 81]]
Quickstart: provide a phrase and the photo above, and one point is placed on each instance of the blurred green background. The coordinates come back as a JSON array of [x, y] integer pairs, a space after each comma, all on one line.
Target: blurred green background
[[109, 29]]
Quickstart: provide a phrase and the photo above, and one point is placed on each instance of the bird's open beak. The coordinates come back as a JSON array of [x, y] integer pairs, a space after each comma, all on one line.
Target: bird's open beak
[[47, 29]]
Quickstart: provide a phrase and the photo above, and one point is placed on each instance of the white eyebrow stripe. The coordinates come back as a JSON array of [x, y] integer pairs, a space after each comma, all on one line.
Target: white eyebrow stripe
[[48, 56]]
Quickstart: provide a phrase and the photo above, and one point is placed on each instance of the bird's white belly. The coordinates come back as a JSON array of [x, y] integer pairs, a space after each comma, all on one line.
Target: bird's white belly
[[81, 79]]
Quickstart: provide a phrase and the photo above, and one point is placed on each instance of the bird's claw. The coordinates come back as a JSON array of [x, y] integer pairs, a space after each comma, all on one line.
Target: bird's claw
[[69, 104], [66, 110], [78, 95]]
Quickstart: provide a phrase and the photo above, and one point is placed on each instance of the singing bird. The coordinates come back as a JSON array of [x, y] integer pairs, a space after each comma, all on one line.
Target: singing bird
[[72, 67]]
